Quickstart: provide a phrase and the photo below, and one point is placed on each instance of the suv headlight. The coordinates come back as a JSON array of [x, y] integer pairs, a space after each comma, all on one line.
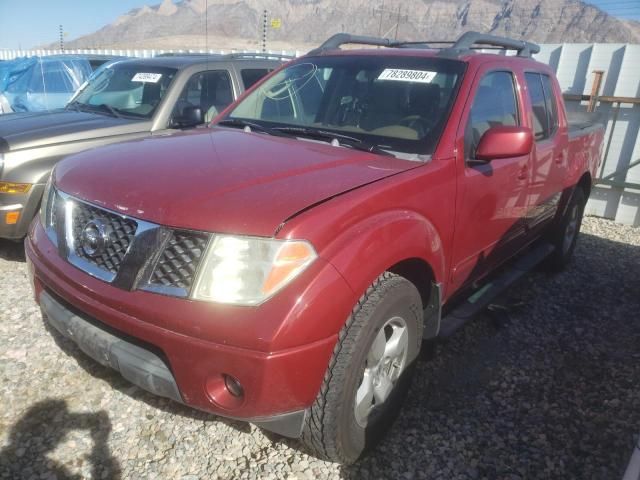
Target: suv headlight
[[249, 270]]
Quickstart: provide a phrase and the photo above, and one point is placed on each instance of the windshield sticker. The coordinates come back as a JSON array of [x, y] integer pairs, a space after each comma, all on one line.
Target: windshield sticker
[[419, 76], [147, 77]]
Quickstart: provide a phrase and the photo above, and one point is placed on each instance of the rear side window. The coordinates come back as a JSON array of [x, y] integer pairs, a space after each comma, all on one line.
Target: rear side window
[[494, 105], [251, 75], [551, 103], [543, 103]]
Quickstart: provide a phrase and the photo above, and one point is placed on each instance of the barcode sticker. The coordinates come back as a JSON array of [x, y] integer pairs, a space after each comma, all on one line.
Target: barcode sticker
[[147, 77], [419, 76]]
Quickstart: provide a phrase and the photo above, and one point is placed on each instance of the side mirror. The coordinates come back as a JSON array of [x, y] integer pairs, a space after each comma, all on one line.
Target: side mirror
[[190, 117], [504, 142]]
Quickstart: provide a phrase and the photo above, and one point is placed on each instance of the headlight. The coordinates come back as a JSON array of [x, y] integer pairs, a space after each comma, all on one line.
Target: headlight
[[44, 205], [248, 270]]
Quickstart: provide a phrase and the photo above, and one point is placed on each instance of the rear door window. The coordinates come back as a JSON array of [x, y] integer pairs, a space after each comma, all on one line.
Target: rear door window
[[543, 103], [551, 103]]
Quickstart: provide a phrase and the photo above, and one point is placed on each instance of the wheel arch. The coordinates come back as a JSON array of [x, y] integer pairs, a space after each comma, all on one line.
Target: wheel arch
[[419, 273], [401, 242], [586, 183]]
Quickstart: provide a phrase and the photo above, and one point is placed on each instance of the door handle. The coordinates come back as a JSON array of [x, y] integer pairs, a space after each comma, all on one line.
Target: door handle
[[559, 158]]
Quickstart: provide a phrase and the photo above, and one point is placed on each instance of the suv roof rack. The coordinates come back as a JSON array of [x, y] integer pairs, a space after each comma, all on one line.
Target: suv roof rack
[[259, 55], [229, 56], [464, 45]]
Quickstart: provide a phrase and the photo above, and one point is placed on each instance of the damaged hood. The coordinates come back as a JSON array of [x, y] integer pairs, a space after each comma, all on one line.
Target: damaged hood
[[220, 179]]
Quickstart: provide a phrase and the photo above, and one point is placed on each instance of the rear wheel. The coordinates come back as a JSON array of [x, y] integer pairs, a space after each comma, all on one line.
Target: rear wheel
[[369, 372], [565, 235]]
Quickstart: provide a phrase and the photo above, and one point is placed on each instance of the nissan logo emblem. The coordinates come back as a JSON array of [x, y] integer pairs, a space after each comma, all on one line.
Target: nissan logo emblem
[[94, 238]]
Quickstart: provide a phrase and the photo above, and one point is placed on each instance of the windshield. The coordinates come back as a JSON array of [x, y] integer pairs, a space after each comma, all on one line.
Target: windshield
[[125, 89], [394, 103]]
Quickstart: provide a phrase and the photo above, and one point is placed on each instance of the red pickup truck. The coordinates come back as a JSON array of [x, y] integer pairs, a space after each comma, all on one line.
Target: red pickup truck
[[284, 266]]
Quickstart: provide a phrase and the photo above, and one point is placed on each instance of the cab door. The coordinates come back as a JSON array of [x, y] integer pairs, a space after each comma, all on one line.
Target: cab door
[[492, 195], [550, 153]]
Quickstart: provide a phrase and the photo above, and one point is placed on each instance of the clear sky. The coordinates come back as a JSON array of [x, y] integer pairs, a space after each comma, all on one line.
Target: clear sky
[[28, 23], [619, 8]]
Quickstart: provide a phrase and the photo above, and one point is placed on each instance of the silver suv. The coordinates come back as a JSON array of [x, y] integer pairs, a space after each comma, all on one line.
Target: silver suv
[[123, 100]]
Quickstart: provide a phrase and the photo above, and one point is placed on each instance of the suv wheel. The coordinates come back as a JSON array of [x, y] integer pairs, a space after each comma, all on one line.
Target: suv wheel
[[369, 373]]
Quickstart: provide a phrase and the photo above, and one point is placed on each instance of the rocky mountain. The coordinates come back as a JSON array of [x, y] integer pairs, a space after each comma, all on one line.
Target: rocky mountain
[[238, 23]]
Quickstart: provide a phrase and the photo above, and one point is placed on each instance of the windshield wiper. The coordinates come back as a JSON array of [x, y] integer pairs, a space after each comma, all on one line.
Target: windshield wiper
[[236, 122], [75, 105], [84, 107], [347, 140], [108, 108]]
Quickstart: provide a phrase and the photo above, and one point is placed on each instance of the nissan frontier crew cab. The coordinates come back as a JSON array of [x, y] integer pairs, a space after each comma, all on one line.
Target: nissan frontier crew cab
[[284, 266], [124, 100]]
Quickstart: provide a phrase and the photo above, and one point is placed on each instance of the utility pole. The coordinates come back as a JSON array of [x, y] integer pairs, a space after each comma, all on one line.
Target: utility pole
[[381, 14], [398, 21], [61, 39], [391, 13], [264, 31]]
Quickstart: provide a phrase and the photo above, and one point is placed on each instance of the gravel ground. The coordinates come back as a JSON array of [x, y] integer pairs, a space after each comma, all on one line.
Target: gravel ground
[[550, 389]]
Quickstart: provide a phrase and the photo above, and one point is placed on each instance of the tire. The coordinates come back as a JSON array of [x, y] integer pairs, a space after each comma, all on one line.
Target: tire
[[565, 235], [390, 308]]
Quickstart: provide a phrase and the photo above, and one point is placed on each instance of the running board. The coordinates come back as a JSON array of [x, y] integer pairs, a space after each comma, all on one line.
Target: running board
[[483, 297]]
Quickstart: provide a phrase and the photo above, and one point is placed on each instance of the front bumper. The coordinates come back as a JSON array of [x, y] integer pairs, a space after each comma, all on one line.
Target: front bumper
[[179, 358], [26, 204], [139, 365]]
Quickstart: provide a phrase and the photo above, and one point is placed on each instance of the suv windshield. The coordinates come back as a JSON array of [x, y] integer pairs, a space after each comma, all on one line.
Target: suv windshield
[[393, 103], [124, 89]]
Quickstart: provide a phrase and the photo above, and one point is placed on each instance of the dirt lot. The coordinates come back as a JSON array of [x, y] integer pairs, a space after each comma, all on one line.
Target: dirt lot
[[550, 389]]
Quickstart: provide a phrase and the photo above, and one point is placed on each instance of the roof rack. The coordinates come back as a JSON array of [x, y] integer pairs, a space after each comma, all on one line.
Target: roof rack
[[339, 39], [464, 45], [228, 56], [466, 42], [259, 55]]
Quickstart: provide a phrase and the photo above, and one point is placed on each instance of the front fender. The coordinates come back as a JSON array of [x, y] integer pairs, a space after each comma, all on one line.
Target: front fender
[[369, 248]]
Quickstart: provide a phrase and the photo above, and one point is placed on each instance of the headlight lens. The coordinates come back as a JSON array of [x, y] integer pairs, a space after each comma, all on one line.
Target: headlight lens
[[248, 270]]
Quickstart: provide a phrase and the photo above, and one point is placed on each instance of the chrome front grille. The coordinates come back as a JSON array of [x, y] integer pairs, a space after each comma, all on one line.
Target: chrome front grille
[[120, 231], [126, 252]]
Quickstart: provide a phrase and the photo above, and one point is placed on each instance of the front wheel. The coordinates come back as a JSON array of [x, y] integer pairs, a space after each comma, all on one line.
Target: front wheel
[[369, 373]]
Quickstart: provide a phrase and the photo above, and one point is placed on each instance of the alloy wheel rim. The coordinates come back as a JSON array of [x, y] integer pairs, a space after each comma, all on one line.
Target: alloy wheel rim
[[385, 363]]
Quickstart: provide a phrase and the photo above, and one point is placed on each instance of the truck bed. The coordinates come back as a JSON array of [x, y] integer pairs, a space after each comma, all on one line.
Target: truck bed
[[580, 122], [586, 138]]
